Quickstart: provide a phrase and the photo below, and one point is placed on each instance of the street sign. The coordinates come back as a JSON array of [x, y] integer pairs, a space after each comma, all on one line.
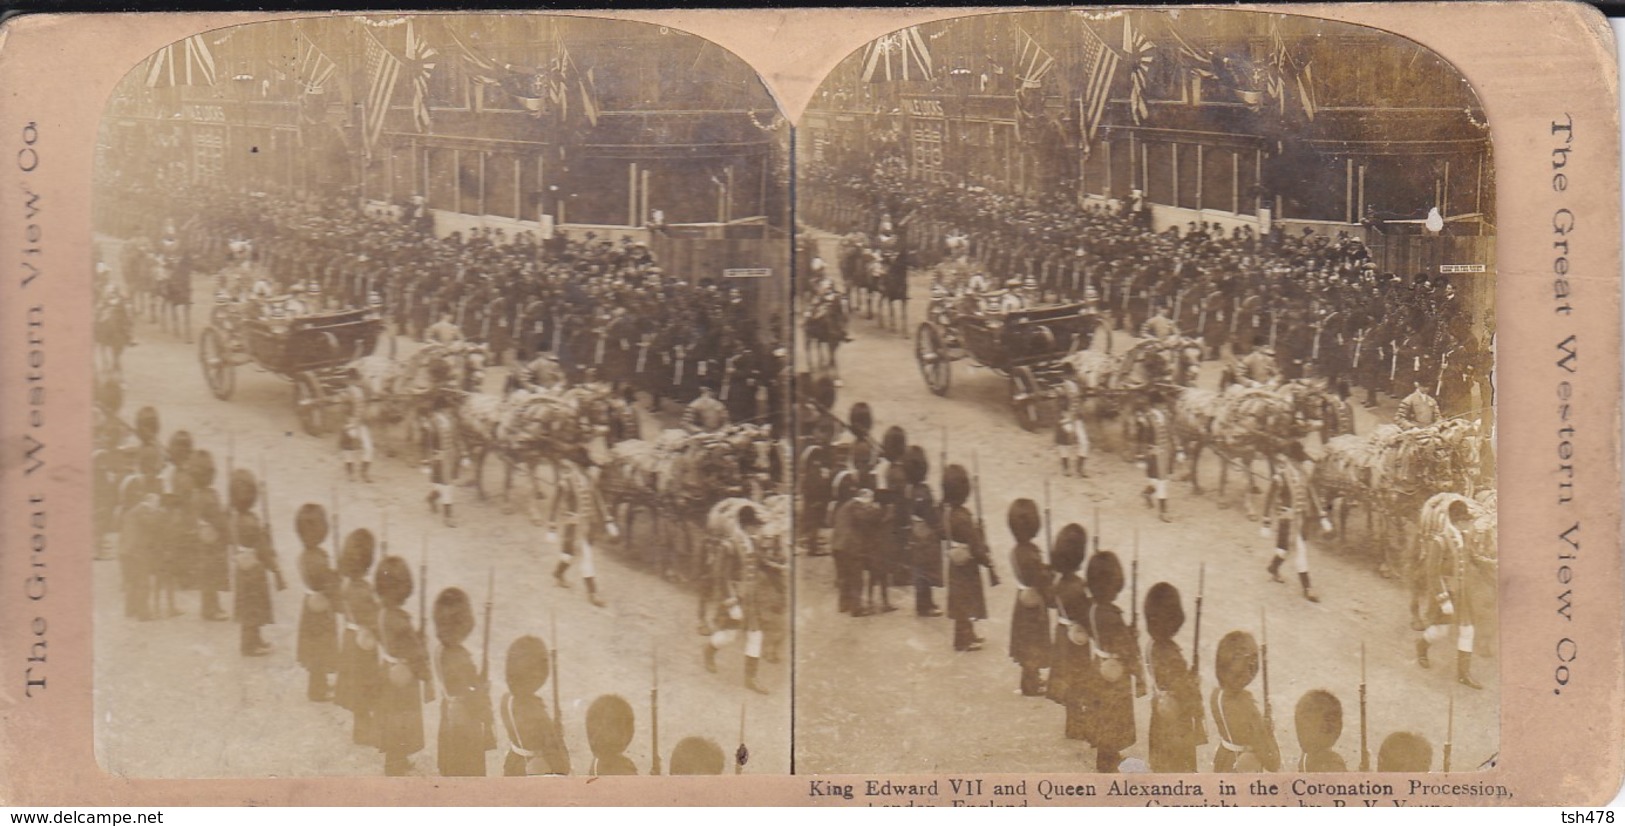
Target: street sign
[[747, 272], [1451, 269]]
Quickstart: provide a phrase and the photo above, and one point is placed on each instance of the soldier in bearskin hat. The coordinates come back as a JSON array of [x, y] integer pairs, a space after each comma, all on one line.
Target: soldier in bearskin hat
[[1109, 700], [254, 560], [967, 555], [318, 624], [855, 533], [359, 682], [697, 756], [1030, 643], [405, 666], [1176, 697], [1072, 666], [1246, 737], [535, 742], [609, 732], [465, 696], [888, 559], [1319, 722], [1405, 751], [211, 573], [924, 532]]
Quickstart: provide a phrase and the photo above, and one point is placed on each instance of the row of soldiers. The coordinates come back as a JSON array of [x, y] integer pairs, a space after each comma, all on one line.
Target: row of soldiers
[[356, 638], [1319, 300]]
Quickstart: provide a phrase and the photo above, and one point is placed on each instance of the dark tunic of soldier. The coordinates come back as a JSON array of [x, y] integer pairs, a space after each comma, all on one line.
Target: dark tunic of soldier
[[853, 541], [256, 564], [1120, 672], [535, 744], [317, 648], [465, 705], [1030, 643], [405, 665], [1246, 738], [359, 676], [965, 598]]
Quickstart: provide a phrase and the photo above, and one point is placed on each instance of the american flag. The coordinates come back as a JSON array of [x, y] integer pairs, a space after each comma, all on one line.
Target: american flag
[[1035, 61], [420, 61], [383, 69], [1100, 67], [196, 64], [909, 50]]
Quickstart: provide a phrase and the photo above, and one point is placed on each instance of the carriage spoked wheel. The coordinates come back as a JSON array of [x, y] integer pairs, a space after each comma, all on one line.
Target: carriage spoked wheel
[[310, 400], [217, 367], [1026, 398], [932, 354]]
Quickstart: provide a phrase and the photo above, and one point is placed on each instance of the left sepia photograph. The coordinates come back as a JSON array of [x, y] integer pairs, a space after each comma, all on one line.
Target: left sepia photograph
[[440, 380]]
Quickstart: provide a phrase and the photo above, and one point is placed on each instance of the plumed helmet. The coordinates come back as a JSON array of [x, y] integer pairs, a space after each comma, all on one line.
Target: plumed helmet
[[200, 466], [1071, 546], [1104, 574], [862, 420], [697, 755], [393, 581], [243, 490], [916, 467], [1235, 664], [609, 725], [1024, 520], [527, 669], [356, 559], [453, 616], [894, 444], [1319, 720], [311, 523], [1164, 615], [1405, 751], [955, 485]]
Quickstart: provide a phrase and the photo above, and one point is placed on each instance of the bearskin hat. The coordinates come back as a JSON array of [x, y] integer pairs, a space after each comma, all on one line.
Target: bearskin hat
[[146, 424], [1071, 546], [1104, 575], [863, 456], [1319, 720], [916, 467], [894, 444], [697, 755], [243, 491], [1164, 615], [955, 485], [110, 395], [453, 616], [201, 468], [393, 581], [180, 447], [861, 419], [311, 524], [356, 559], [823, 391], [1025, 523], [149, 459], [1235, 664], [609, 725], [527, 665], [1405, 751]]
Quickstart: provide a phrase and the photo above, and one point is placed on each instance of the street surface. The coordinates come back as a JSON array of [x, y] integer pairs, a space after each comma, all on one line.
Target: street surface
[[888, 693], [174, 698]]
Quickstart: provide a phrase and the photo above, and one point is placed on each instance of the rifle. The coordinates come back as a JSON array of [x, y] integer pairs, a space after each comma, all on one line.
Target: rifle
[[1096, 538], [1134, 586], [1048, 549], [337, 534], [981, 528], [553, 655], [654, 716], [231, 515], [1264, 661], [383, 541], [423, 611], [485, 658], [1196, 637], [1450, 728], [743, 754], [265, 516], [1365, 751]]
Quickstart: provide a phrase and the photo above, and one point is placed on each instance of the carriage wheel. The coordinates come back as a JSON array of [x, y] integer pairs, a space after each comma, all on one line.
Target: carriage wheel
[[309, 401], [1024, 398], [217, 368], [932, 355]]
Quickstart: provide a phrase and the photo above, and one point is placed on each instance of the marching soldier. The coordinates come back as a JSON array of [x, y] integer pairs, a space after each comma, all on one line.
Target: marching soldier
[[1030, 643], [1319, 722], [1246, 737], [440, 444], [579, 511], [609, 732], [465, 697], [1155, 436], [359, 679], [1109, 699], [1072, 437], [399, 707], [255, 563], [967, 555], [535, 741], [1177, 726], [1451, 606], [355, 436], [1289, 507], [738, 565], [318, 626]]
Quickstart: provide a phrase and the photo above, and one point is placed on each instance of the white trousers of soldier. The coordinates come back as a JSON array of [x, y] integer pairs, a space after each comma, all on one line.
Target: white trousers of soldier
[[1290, 541], [754, 637], [1076, 450], [356, 441], [577, 548], [1441, 632], [1156, 484]]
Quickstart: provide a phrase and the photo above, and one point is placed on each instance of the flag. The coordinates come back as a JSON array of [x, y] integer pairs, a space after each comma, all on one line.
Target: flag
[[565, 74], [589, 96], [420, 64], [196, 64], [481, 68], [1139, 54], [1100, 66], [314, 69], [906, 48], [1290, 73], [383, 69], [1198, 65], [1035, 61]]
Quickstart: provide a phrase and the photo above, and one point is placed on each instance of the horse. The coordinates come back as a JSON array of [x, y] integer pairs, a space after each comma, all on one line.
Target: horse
[[1435, 536], [892, 290], [675, 479], [1239, 425], [115, 326], [825, 324], [404, 390], [529, 428]]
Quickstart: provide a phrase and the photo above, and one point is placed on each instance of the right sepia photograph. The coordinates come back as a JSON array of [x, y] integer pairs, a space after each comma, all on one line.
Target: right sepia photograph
[[1145, 409]]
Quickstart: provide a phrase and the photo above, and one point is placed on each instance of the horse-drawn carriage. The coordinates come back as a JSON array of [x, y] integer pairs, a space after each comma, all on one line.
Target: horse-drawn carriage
[[313, 351], [1026, 346]]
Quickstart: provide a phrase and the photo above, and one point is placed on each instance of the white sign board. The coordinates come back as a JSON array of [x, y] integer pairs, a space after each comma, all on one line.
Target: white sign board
[[747, 272], [1450, 269]]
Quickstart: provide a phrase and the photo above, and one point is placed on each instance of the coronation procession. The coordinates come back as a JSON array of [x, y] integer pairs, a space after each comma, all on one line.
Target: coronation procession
[[1199, 308], [519, 272]]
